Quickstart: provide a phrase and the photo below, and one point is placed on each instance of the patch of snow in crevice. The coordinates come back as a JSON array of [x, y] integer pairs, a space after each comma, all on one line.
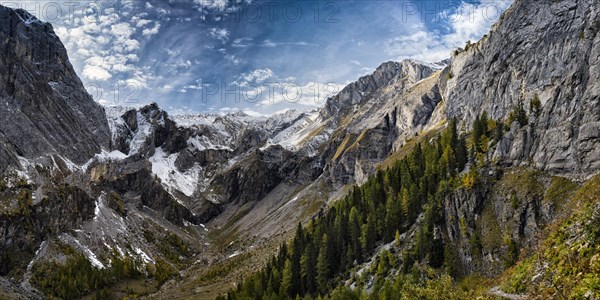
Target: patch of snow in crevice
[[143, 255], [88, 253], [141, 135], [35, 256], [234, 254], [203, 143], [163, 166], [290, 202], [97, 210], [105, 217], [298, 134], [121, 252]]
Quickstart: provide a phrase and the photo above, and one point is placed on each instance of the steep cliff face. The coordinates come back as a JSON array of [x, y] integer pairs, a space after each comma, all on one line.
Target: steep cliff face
[[549, 50], [61, 186], [388, 111], [488, 225], [45, 108]]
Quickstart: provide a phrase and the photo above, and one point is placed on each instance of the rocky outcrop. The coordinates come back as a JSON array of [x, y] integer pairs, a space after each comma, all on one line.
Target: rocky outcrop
[[548, 49], [45, 108], [378, 113], [505, 212], [255, 176], [29, 223]]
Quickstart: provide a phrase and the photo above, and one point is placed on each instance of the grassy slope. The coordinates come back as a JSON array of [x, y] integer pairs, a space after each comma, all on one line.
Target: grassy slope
[[566, 264]]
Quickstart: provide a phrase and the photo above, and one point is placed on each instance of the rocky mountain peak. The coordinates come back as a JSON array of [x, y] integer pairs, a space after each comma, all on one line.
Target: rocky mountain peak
[[408, 70], [46, 108]]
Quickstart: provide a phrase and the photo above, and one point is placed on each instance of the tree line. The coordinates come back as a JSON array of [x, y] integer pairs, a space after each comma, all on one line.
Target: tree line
[[386, 206]]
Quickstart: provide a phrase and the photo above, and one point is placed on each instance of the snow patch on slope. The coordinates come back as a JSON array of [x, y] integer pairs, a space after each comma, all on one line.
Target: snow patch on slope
[[86, 251], [104, 157], [163, 166], [298, 134]]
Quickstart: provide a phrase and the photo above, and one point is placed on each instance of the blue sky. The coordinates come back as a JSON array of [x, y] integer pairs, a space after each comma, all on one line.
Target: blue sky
[[257, 56]]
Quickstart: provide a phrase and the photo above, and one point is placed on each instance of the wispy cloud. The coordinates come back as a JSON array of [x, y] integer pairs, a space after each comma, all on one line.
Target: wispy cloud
[[467, 22], [271, 44]]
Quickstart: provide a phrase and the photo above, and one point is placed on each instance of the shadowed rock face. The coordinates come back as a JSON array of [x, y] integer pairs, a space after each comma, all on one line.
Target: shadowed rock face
[[44, 107]]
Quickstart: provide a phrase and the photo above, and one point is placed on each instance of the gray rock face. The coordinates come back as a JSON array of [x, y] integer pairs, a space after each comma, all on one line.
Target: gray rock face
[[27, 226], [545, 48], [376, 114], [503, 206], [45, 108]]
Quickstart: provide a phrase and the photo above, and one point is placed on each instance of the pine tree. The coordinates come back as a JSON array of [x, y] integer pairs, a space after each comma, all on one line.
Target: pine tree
[[309, 272], [287, 280], [368, 234], [392, 217], [483, 120], [498, 131], [297, 251], [354, 224], [405, 203], [323, 266]]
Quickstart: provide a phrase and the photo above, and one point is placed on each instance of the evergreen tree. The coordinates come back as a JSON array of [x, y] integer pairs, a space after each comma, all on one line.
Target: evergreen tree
[[323, 266], [392, 217], [287, 280], [355, 234], [368, 234], [309, 272]]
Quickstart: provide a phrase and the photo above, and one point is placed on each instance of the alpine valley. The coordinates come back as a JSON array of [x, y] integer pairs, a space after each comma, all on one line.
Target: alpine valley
[[474, 177]]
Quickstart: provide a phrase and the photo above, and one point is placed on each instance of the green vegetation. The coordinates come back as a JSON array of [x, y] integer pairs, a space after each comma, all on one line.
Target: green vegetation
[[116, 202], [387, 205], [518, 114], [77, 277], [535, 105], [173, 247], [560, 190], [568, 264]]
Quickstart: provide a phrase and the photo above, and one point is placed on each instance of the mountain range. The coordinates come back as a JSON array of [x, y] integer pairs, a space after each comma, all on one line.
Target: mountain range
[[185, 205]]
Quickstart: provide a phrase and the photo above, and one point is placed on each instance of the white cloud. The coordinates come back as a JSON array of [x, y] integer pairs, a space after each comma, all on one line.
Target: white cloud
[[221, 34], [104, 47], [219, 5], [122, 30], [311, 94], [139, 23], [271, 44], [256, 76], [152, 31], [96, 73], [467, 22], [234, 59], [197, 85], [241, 42]]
